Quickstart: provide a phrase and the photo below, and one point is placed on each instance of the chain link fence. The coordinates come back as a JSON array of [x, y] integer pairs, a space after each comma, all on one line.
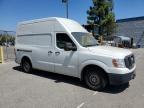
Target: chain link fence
[[7, 42], [9, 53]]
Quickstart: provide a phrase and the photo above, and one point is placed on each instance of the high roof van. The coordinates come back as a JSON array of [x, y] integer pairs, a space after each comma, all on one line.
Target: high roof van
[[63, 46]]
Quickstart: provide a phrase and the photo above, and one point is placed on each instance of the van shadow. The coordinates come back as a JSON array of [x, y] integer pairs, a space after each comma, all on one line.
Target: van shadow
[[58, 78]]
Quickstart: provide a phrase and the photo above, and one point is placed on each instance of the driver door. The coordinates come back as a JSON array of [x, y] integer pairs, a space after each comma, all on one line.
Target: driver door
[[66, 62]]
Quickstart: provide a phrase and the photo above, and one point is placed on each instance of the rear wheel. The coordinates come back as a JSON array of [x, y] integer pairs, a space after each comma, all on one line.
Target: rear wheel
[[26, 65], [95, 79]]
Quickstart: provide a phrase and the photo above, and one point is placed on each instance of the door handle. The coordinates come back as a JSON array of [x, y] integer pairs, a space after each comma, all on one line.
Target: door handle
[[50, 52], [57, 53]]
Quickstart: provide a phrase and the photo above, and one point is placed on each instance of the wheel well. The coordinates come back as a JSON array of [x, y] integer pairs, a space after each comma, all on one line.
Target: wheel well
[[94, 66], [26, 58]]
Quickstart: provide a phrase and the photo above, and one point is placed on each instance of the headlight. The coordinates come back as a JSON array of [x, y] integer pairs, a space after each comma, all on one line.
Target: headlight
[[118, 63]]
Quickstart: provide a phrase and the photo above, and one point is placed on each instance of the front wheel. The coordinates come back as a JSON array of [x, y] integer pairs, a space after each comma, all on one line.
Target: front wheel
[[95, 79]]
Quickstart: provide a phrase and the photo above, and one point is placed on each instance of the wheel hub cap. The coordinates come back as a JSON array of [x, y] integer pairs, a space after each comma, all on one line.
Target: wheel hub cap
[[94, 80]]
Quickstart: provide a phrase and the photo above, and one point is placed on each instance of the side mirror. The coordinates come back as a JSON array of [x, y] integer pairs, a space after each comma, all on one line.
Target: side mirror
[[68, 47]]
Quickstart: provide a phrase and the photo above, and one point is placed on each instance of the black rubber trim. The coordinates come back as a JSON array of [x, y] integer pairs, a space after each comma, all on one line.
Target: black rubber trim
[[24, 50], [34, 34], [117, 79]]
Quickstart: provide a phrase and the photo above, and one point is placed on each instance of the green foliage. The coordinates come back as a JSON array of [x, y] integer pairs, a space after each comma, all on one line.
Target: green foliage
[[8, 38], [101, 14]]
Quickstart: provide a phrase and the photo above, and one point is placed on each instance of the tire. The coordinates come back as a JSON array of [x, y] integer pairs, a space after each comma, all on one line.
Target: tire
[[95, 79], [26, 65]]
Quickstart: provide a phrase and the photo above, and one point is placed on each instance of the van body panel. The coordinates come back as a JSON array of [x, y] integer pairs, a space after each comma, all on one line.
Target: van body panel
[[71, 25], [92, 62], [66, 63], [35, 28], [23, 51]]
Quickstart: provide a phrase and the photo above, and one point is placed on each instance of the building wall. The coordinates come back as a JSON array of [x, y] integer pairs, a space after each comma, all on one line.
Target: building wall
[[131, 28]]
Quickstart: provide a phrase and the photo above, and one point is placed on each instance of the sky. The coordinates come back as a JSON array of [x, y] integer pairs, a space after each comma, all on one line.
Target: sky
[[14, 11]]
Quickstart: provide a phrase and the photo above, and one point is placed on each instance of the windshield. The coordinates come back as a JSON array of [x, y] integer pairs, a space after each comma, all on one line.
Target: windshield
[[85, 39]]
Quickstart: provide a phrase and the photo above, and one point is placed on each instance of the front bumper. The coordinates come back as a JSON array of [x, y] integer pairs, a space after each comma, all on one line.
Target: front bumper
[[117, 79]]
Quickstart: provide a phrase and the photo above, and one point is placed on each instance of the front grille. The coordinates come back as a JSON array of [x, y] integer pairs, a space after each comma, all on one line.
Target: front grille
[[129, 61]]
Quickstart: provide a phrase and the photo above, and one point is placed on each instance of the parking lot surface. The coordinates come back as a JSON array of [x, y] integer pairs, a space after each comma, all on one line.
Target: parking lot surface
[[47, 90]]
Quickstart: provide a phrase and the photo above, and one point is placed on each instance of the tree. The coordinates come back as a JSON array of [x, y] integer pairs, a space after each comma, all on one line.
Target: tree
[[101, 15], [6, 38]]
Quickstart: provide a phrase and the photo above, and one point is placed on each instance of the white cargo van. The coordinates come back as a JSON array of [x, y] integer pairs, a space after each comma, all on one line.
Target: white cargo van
[[63, 46]]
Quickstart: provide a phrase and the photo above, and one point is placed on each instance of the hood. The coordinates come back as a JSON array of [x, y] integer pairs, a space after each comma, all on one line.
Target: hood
[[110, 51]]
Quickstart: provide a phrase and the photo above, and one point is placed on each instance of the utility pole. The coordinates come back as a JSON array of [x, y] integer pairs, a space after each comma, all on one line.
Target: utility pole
[[67, 10]]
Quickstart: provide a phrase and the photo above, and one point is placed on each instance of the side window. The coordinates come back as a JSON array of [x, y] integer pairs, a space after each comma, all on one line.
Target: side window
[[61, 39]]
